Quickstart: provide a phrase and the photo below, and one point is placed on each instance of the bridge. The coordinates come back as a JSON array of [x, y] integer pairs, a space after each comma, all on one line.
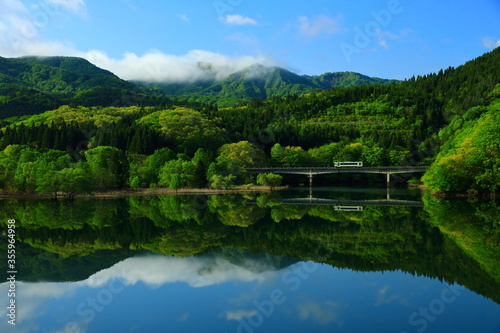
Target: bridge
[[312, 171]]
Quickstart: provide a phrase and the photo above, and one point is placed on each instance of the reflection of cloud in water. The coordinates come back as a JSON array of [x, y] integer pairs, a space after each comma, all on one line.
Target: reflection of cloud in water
[[30, 298], [74, 329], [240, 314], [195, 271], [383, 298], [152, 270], [185, 316], [321, 312]]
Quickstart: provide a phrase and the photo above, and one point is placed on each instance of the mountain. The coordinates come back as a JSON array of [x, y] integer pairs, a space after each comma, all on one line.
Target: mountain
[[60, 76], [31, 85], [258, 81]]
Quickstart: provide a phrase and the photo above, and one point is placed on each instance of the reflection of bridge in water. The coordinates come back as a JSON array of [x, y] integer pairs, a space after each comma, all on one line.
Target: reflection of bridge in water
[[345, 204]]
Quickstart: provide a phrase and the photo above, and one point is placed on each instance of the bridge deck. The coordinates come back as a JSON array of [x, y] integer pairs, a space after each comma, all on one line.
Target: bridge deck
[[330, 170]]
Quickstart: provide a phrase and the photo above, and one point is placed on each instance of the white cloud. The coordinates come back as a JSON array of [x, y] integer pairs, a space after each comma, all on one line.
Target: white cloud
[[382, 37], [22, 28], [491, 43], [156, 66], [323, 24], [238, 20], [15, 22], [240, 314], [74, 6], [21, 35], [8, 7], [184, 17]]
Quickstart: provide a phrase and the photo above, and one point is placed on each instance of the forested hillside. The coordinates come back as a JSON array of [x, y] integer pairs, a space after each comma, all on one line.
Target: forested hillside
[[261, 82], [32, 85], [448, 120]]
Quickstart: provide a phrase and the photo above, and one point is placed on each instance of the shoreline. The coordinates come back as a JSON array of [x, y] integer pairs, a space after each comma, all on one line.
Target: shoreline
[[144, 192], [125, 193], [472, 195]]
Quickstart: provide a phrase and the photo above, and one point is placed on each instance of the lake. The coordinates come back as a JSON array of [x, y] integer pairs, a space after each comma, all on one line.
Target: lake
[[329, 260]]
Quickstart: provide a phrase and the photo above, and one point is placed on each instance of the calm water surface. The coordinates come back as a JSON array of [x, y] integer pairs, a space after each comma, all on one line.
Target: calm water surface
[[343, 260]]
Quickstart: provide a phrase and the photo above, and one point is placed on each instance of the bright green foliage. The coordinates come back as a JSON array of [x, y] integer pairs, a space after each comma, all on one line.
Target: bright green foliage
[[224, 173], [8, 164], [49, 179], [135, 182], [223, 182], [291, 156], [48, 172], [324, 155], [244, 154], [156, 161], [470, 158], [186, 129], [351, 152], [108, 167], [373, 156], [269, 179], [232, 210], [140, 175], [75, 181], [177, 174]]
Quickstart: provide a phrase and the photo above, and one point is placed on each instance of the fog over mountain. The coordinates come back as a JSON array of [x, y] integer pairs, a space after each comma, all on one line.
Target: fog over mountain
[[155, 66]]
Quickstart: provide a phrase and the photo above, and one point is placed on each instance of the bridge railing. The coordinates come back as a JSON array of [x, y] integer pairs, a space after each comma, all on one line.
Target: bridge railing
[[384, 168]]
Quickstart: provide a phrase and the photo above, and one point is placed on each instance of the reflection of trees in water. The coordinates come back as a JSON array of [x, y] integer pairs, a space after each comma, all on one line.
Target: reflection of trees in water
[[429, 242]]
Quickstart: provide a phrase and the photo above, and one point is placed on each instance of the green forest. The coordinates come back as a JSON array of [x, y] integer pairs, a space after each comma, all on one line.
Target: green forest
[[98, 132]]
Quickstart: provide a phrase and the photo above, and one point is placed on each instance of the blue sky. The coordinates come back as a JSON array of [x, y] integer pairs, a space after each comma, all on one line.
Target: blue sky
[[168, 40]]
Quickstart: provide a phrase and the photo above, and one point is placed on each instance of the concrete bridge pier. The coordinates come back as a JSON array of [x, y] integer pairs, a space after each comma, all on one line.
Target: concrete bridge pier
[[310, 185], [388, 180]]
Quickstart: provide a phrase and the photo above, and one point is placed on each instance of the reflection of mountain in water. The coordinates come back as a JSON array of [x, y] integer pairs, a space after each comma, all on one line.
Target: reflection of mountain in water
[[41, 265], [260, 261], [71, 242]]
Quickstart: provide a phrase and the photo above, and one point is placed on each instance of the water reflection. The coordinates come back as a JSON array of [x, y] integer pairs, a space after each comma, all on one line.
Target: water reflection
[[242, 257], [156, 293]]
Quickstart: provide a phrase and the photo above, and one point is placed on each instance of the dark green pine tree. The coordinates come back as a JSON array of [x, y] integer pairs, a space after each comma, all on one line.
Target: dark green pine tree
[[48, 137]]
